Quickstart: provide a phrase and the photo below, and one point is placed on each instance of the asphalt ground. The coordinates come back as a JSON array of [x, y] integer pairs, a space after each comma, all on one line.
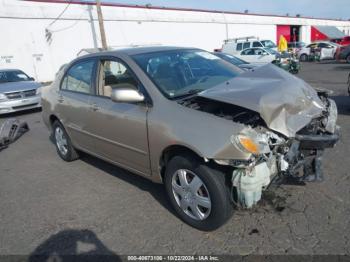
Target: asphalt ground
[[90, 206]]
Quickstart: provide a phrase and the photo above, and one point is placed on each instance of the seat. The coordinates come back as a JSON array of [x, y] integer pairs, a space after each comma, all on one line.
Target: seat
[[166, 77]]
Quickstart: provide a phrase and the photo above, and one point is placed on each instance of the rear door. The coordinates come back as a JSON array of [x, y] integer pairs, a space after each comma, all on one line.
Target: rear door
[[326, 50], [119, 130], [73, 101]]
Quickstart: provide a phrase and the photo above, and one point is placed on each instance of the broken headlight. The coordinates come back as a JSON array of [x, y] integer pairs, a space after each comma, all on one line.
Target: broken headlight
[[250, 141], [330, 124]]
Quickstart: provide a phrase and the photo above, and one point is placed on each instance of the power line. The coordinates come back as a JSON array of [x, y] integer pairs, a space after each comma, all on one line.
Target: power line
[[59, 16]]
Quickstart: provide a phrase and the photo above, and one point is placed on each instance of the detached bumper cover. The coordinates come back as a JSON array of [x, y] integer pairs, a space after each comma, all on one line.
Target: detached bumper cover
[[318, 141]]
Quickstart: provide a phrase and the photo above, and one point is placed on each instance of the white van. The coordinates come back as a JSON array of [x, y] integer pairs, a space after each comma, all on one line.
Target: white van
[[234, 46]]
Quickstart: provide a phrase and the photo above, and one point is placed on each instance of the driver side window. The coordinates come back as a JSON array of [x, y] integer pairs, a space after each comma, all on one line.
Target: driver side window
[[114, 75]]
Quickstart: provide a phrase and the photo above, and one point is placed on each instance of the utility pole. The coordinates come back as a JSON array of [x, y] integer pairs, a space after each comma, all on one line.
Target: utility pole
[[100, 22]]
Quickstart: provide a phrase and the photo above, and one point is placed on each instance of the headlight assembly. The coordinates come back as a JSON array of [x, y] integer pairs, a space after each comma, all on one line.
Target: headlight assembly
[[250, 141], [38, 91], [247, 144], [3, 97]]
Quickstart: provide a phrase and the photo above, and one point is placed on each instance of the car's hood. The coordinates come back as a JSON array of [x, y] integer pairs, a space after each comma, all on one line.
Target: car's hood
[[285, 102], [18, 86], [249, 66]]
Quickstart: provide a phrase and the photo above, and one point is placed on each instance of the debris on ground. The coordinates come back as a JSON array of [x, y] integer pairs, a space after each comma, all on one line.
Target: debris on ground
[[11, 130]]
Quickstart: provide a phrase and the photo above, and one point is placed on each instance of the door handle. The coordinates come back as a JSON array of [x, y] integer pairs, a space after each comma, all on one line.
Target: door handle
[[94, 107]]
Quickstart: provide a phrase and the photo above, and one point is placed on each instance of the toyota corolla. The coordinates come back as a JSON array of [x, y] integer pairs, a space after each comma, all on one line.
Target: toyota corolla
[[214, 135]]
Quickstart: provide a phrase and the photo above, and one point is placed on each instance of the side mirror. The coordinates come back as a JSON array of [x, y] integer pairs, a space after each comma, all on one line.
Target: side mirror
[[127, 95], [31, 79]]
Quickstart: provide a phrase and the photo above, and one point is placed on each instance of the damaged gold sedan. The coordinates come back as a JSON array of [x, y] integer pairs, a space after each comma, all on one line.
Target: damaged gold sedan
[[213, 134]]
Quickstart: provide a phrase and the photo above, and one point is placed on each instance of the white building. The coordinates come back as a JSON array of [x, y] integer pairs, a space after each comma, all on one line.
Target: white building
[[39, 36]]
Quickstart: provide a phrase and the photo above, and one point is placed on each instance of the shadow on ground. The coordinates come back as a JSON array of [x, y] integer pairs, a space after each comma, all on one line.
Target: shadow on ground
[[156, 190], [20, 113], [73, 245]]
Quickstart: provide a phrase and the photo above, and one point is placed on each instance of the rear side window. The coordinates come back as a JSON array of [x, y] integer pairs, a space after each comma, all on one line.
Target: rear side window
[[257, 44], [79, 77], [246, 45], [239, 47]]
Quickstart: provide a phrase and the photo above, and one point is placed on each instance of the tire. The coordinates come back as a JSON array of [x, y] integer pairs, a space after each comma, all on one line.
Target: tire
[[63, 143], [304, 57], [213, 190], [349, 84], [348, 59]]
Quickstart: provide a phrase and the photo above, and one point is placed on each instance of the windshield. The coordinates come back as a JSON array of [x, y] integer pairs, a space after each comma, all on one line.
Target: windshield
[[183, 72], [231, 59], [13, 76], [268, 43]]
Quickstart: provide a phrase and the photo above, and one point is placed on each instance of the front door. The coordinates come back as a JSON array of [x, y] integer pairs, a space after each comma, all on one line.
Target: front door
[[119, 129]]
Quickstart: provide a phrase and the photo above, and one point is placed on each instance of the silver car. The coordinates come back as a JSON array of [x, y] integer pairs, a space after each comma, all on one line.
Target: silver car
[[215, 135], [18, 91]]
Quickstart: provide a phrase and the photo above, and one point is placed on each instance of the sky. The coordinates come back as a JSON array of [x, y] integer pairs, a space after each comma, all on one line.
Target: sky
[[336, 9]]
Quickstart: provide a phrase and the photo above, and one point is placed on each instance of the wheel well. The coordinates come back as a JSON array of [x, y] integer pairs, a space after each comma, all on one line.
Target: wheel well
[[53, 118], [172, 151]]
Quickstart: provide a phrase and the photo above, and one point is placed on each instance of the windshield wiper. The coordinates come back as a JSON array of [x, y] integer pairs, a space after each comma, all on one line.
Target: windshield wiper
[[188, 93]]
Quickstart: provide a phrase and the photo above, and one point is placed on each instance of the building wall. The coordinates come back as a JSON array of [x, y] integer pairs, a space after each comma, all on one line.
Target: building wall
[[24, 44]]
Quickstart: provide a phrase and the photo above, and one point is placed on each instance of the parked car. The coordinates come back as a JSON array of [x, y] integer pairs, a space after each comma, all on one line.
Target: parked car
[[214, 134], [344, 54], [236, 45], [18, 91], [258, 55], [236, 61], [327, 50]]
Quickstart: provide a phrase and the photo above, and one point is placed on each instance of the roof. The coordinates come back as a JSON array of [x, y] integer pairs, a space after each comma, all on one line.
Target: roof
[[330, 31], [147, 6], [137, 50], [9, 70]]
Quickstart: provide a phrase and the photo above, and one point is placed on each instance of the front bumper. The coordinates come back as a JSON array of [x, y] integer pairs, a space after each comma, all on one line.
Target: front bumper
[[15, 105], [318, 142]]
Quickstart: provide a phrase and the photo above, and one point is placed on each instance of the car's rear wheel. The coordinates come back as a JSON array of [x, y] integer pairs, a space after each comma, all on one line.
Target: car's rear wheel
[[197, 192], [63, 143], [303, 57]]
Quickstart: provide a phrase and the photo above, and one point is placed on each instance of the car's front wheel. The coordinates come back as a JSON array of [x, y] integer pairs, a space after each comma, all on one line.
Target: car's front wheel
[[348, 59], [63, 143], [197, 192]]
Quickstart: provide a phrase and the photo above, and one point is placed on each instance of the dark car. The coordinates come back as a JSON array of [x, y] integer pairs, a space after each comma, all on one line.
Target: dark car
[[235, 61], [344, 54], [349, 84]]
